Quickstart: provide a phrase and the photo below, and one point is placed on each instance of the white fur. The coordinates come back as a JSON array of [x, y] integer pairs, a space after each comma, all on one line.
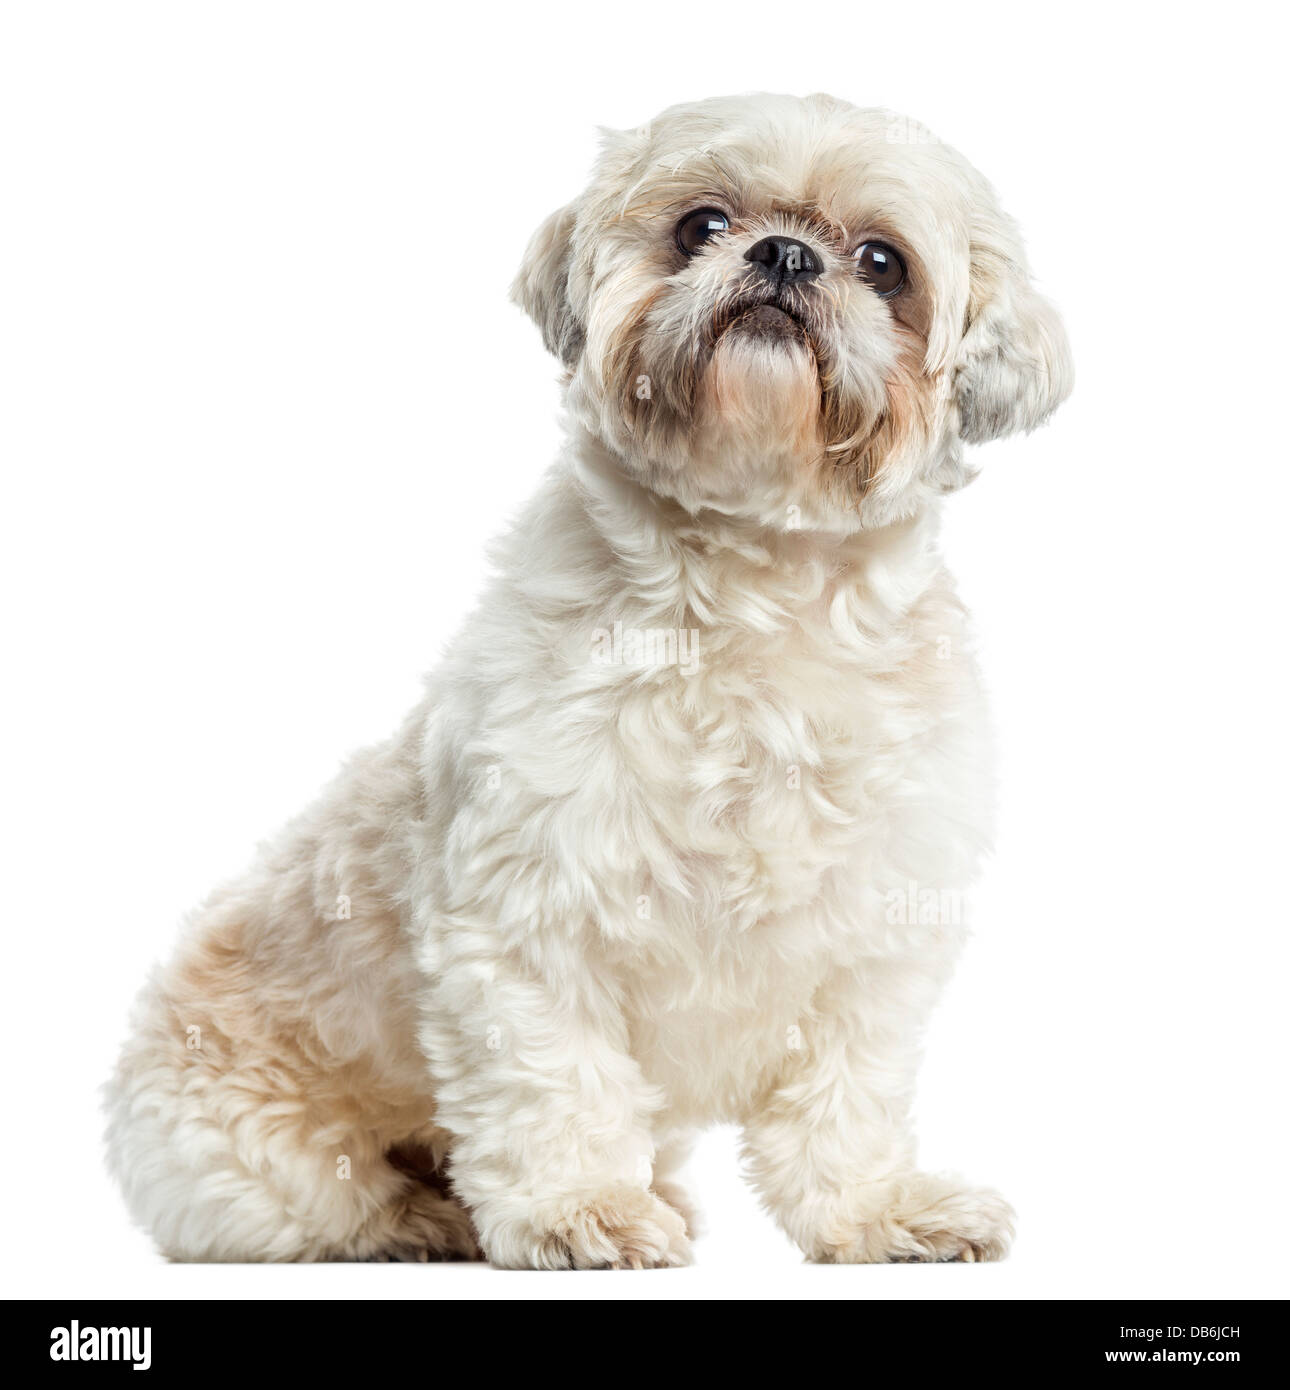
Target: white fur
[[578, 909]]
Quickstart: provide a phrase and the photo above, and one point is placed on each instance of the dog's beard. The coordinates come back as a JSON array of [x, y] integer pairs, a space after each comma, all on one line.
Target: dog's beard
[[761, 384], [747, 362], [755, 398]]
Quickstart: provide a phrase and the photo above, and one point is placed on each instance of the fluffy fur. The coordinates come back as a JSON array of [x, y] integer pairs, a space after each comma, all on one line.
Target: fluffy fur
[[593, 896]]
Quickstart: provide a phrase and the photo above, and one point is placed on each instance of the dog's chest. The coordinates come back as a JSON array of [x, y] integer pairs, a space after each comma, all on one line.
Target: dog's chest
[[806, 788], [772, 769]]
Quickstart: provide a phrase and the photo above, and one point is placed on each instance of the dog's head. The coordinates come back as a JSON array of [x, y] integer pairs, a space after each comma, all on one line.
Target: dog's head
[[793, 310]]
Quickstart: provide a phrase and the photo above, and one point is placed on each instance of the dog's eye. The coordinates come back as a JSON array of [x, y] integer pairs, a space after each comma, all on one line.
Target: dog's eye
[[880, 267], [695, 229]]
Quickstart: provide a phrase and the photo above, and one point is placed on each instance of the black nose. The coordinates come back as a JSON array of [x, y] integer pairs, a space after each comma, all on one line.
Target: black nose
[[783, 259]]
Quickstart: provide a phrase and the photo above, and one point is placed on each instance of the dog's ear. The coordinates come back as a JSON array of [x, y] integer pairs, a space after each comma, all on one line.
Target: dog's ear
[[541, 288], [1014, 365]]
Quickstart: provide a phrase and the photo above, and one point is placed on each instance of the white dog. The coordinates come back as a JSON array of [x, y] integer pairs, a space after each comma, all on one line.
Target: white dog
[[636, 863]]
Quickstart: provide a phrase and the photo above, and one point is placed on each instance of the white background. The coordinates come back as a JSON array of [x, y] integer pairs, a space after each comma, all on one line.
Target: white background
[[263, 400]]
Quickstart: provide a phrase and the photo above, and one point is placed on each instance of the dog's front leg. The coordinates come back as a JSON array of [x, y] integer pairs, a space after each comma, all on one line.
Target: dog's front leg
[[552, 1146], [829, 1145]]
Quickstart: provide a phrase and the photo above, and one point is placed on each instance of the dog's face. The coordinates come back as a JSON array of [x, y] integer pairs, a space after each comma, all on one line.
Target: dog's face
[[792, 310]]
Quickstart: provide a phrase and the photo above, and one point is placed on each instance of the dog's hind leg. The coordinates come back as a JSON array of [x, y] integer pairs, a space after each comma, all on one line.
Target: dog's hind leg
[[243, 1149]]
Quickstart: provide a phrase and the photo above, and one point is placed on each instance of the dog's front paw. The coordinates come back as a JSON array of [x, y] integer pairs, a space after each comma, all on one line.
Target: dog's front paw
[[620, 1228], [917, 1218]]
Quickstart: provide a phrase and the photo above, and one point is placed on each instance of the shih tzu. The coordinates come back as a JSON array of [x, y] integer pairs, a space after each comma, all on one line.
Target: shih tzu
[[642, 859]]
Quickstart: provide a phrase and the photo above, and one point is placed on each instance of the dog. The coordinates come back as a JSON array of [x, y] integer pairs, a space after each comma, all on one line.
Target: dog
[[642, 859]]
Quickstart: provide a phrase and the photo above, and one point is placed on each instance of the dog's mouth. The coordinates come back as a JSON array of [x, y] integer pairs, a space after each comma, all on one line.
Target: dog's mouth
[[768, 321], [764, 317]]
